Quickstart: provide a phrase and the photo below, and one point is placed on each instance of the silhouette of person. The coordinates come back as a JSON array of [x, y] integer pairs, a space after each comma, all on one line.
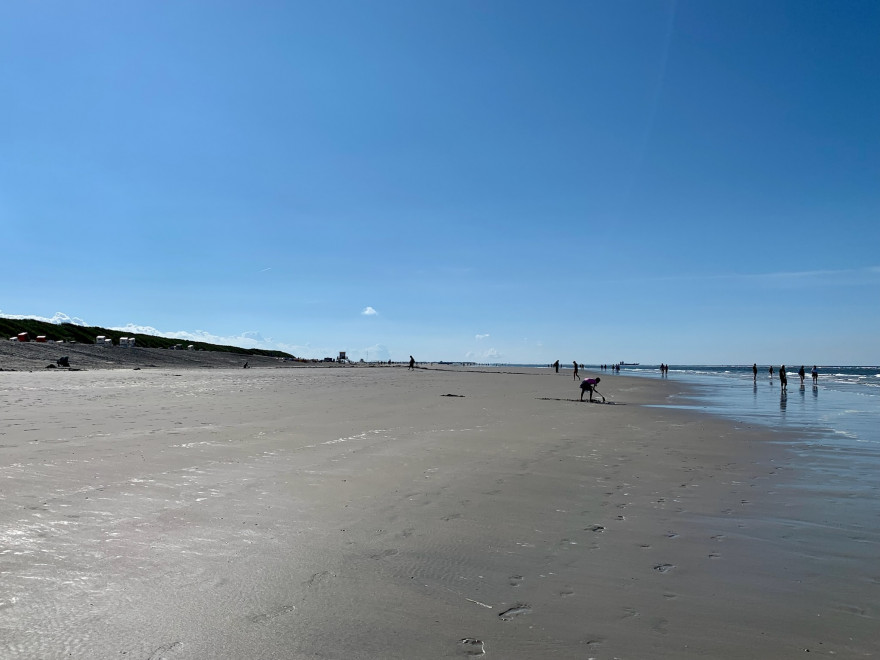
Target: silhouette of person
[[783, 378], [771, 372], [589, 385], [802, 374], [575, 369], [755, 371], [556, 366], [815, 375], [412, 363]]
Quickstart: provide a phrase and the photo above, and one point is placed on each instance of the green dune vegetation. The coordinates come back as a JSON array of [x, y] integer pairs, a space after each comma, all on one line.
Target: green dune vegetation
[[86, 335]]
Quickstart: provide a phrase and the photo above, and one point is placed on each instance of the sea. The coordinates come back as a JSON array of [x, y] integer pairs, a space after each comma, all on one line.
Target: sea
[[834, 425], [843, 408]]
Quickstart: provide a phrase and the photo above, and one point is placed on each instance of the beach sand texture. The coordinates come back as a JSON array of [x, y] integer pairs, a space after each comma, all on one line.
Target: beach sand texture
[[363, 513]]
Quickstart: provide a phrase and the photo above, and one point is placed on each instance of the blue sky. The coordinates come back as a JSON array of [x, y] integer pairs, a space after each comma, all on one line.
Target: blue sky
[[501, 181]]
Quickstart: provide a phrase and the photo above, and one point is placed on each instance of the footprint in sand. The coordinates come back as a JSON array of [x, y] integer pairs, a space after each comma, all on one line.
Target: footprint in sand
[[852, 609], [714, 555], [717, 537], [515, 611], [385, 553], [566, 593], [659, 626], [471, 647], [274, 613], [162, 652], [515, 580], [595, 528], [319, 578], [664, 568]]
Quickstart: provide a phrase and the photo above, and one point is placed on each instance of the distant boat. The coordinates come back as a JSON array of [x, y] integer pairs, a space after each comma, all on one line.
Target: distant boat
[[628, 364]]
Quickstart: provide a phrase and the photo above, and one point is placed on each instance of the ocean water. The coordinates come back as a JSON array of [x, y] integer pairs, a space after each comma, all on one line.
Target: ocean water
[[841, 413], [833, 427], [843, 409]]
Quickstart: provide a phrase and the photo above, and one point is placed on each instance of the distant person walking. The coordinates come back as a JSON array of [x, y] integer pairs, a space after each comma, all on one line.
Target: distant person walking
[[575, 369], [771, 372], [589, 385], [556, 366], [412, 363], [755, 372], [802, 374], [783, 378], [815, 375]]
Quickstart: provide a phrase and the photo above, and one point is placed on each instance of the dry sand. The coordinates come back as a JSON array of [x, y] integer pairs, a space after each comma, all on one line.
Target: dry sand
[[362, 513]]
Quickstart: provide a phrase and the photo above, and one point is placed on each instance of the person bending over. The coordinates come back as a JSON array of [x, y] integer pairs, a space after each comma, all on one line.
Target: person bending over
[[589, 385]]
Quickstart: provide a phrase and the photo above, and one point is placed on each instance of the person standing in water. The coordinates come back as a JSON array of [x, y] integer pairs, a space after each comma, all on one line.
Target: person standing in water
[[755, 372], [771, 372], [815, 375], [783, 378], [802, 374]]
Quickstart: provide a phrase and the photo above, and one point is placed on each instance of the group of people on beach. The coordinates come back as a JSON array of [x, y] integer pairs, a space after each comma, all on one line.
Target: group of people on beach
[[783, 376]]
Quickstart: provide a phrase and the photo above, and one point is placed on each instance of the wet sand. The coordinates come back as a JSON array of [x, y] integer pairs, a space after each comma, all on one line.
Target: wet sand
[[363, 513]]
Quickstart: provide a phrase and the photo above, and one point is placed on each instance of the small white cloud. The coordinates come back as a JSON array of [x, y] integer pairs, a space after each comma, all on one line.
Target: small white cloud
[[479, 337], [369, 311]]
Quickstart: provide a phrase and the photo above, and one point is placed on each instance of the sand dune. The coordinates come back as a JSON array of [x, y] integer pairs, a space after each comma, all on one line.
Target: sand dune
[[29, 356]]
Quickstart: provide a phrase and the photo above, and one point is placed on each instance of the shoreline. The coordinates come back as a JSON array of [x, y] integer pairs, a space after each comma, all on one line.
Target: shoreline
[[244, 513]]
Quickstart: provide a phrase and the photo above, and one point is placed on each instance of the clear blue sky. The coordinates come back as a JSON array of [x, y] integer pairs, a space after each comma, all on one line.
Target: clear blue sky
[[687, 182]]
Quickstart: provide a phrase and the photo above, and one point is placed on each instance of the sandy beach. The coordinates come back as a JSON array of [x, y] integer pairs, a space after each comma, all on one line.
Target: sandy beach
[[377, 512]]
